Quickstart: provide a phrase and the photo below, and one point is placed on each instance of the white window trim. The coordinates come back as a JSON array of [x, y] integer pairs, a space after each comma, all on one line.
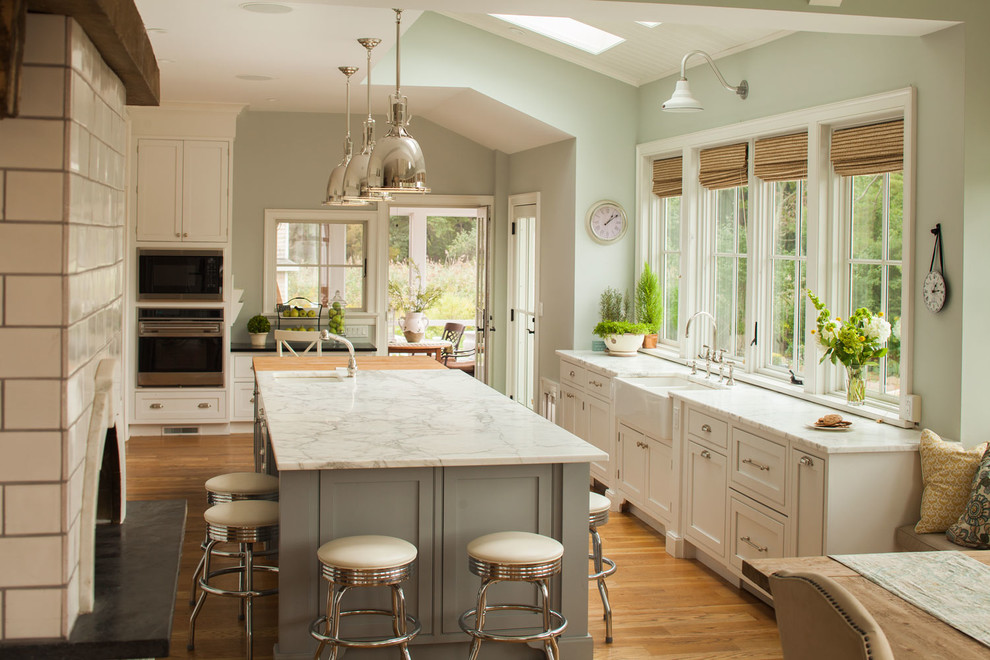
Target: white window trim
[[823, 269], [370, 219]]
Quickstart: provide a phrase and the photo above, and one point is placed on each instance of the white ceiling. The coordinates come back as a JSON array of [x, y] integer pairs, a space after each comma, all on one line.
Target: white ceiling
[[203, 45]]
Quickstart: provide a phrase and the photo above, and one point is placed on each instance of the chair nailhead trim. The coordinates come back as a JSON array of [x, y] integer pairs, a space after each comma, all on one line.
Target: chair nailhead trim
[[845, 615]]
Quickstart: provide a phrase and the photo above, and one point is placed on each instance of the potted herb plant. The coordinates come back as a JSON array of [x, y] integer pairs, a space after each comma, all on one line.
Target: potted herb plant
[[855, 342], [414, 300], [259, 326], [622, 337], [649, 305]]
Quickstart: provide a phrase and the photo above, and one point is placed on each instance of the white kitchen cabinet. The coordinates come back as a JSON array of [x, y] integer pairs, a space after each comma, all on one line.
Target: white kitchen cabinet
[[178, 407], [755, 532], [570, 409], [242, 386], [634, 458], [807, 503], [705, 501], [182, 192], [661, 480], [599, 415]]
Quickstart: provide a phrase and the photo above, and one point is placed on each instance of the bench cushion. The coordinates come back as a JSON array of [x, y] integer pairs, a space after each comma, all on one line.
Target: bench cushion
[[909, 540]]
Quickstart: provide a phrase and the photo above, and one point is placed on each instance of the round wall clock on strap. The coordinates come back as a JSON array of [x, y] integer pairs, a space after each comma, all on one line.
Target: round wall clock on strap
[[607, 221], [934, 289]]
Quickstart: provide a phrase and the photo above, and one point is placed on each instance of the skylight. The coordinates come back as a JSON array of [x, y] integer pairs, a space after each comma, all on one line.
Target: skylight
[[566, 30]]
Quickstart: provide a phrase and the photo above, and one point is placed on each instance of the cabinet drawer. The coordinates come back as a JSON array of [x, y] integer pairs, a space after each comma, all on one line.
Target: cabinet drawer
[[598, 384], [244, 366], [573, 374], [168, 407], [243, 402], [753, 533], [707, 428], [758, 468]]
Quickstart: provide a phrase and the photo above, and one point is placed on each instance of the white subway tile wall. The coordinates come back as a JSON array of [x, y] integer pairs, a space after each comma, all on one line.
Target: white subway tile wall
[[63, 173]]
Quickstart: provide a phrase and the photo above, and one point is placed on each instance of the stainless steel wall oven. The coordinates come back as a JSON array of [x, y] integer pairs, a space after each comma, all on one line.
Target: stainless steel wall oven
[[180, 348]]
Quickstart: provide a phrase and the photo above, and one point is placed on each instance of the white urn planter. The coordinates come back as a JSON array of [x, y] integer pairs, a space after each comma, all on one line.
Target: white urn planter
[[413, 326], [624, 345], [259, 339]]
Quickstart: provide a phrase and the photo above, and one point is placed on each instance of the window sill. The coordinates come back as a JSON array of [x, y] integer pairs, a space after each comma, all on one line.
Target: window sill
[[876, 411]]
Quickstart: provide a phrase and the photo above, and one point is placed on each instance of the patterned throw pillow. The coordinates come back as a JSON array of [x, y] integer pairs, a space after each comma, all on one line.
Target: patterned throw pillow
[[947, 470], [973, 528]]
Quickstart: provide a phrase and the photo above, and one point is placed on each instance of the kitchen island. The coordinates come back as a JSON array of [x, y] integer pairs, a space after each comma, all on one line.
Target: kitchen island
[[431, 456]]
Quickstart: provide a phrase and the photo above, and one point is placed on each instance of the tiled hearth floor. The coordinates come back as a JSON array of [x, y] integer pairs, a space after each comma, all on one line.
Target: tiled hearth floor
[[664, 607]]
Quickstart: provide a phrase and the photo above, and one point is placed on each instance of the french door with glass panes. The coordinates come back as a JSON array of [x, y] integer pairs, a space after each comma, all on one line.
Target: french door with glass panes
[[521, 382]]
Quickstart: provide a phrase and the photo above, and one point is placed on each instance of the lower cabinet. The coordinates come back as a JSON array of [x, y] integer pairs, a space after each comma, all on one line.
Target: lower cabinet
[[634, 459], [168, 407], [807, 504], [585, 409], [661, 480], [705, 500], [755, 531]]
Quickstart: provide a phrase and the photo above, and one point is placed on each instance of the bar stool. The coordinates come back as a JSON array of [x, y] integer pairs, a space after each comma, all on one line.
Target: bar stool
[[245, 522], [232, 487], [365, 561], [515, 557], [598, 506]]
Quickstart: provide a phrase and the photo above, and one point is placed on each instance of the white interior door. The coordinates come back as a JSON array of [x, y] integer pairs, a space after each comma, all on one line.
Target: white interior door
[[523, 299]]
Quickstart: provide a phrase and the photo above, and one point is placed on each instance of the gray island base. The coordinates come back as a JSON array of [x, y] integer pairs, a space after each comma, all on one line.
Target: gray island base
[[436, 458]]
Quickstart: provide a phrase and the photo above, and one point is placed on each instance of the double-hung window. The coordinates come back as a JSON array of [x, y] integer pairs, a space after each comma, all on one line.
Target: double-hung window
[[724, 175], [869, 163], [665, 252]]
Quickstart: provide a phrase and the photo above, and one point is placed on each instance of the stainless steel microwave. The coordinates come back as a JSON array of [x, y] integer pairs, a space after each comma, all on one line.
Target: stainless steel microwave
[[165, 275]]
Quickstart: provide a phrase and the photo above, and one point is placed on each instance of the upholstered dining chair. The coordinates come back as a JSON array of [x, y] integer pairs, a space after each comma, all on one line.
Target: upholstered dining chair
[[819, 619]]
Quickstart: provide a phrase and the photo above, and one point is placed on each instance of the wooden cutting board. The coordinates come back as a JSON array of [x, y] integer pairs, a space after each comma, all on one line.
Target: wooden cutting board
[[366, 363]]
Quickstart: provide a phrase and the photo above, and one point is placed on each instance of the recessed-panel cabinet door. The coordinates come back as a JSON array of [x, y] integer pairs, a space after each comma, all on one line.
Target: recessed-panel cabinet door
[[599, 417], [204, 199], [661, 485], [808, 502], [706, 501], [159, 190], [633, 455]]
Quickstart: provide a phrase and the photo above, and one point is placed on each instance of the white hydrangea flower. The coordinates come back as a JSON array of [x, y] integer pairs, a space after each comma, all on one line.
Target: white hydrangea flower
[[878, 329]]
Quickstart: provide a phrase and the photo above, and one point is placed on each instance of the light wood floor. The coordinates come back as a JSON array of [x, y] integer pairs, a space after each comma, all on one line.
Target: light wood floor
[[663, 607]]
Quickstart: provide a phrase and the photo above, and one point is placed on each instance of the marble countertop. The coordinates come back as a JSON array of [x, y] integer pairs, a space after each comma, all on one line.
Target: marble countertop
[[392, 419], [763, 409]]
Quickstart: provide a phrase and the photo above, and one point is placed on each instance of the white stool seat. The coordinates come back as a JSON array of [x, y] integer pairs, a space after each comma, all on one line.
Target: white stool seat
[[515, 548], [598, 503], [243, 483], [243, 513], [366, 552]]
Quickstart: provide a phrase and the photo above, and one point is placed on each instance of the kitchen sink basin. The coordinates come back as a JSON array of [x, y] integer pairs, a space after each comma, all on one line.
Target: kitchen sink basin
[[644, 402], [315, 376]]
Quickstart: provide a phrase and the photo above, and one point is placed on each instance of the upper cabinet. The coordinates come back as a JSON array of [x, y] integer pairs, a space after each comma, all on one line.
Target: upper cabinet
[[183, 190]]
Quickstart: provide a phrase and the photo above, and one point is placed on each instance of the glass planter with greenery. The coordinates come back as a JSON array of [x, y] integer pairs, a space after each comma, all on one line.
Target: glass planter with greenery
[[649, 304]]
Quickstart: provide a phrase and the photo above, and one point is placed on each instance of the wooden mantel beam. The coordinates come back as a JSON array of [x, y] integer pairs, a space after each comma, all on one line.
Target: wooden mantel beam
[[116, 29]]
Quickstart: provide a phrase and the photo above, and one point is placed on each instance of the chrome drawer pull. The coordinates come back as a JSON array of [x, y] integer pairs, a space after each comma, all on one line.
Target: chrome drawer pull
[[706, 428], [806, 461], [641, 445], [573, 374], [706, 454], [157, 406], [570, 396], [595, 383], [759, 548], [205, 405], [755, 464]]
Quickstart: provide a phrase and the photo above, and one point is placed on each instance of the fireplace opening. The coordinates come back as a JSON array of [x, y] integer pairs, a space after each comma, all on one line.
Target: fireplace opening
[[108, 492]]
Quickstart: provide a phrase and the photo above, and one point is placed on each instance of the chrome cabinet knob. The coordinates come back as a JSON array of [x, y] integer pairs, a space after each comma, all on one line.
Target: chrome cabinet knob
[[807, 462], [706, 454], [706, 428]]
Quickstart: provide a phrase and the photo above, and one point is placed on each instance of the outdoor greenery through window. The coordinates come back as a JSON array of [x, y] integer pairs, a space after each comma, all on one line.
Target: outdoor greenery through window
[[788, 274], [729, 210], [314, 260], [437, 250], [875, 221], [669, 266]]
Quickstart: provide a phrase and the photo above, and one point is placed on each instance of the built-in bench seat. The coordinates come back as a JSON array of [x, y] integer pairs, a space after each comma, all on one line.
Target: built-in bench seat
[[909, 540]]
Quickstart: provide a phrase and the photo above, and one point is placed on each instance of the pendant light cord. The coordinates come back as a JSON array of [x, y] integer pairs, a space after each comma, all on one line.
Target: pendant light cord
[[398, 21]]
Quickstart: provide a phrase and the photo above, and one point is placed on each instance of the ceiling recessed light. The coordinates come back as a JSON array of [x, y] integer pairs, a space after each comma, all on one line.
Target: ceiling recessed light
[[253, 77], [266, 8], [516, 31], [566, 30], [650, 24]]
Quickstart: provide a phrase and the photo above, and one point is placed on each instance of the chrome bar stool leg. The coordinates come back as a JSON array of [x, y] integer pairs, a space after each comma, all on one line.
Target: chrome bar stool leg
[[598, 506]]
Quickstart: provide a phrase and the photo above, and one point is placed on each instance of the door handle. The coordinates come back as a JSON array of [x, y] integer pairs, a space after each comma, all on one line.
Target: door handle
[[706, 454], [761, 466], [747, 541], [807, 462]]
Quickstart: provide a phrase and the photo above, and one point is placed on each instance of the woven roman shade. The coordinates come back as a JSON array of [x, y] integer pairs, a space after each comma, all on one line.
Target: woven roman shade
[[781, 158], [872, 149], [724, 167], [667, 177]]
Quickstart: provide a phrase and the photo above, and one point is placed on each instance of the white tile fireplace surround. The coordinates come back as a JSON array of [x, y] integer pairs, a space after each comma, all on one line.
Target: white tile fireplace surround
[[62, 215]]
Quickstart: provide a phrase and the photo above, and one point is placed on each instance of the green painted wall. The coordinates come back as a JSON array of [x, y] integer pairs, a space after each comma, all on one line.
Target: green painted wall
[[282, 160]]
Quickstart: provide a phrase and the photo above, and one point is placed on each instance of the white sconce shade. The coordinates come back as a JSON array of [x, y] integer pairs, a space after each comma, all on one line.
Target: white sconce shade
[[682, 100]]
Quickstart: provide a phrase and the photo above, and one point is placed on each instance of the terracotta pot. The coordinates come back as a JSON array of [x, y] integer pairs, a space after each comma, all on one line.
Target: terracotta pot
[[650, 341]]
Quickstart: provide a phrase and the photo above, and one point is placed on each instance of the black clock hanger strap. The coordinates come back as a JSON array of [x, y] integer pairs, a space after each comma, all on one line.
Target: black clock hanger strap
[[938, 249]]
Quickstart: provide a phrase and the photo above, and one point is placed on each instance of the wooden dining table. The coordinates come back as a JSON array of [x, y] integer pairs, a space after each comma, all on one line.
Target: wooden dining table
[[434, 347], [912, 632]]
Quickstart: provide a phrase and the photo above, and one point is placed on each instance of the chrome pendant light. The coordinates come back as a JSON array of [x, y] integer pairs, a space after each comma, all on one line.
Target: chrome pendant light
[[356, 174], [397, 164], [335, 185]]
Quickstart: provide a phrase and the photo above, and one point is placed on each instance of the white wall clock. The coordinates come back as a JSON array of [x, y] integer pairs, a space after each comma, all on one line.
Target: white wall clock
[[607, 222], [934, 289]]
